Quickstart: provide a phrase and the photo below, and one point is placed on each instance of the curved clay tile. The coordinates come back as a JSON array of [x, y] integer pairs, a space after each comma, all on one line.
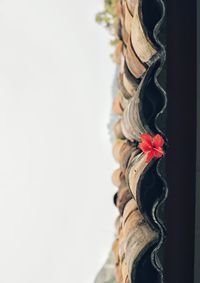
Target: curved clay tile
[[138, 233], [141, 43]]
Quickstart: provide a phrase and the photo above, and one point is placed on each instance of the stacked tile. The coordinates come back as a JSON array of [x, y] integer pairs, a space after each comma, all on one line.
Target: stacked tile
[[140, 57]]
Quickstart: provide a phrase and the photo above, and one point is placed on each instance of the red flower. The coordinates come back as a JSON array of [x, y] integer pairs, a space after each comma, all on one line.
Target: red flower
[[152, 146]]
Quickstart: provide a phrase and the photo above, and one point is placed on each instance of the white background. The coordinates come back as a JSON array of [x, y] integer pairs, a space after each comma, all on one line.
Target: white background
[[56, 212]]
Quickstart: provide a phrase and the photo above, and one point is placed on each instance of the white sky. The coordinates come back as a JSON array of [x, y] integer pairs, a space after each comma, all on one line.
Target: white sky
[[56, 211]]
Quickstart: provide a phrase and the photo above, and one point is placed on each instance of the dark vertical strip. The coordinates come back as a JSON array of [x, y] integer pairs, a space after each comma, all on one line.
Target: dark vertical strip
[[181, 158], [197, 236]]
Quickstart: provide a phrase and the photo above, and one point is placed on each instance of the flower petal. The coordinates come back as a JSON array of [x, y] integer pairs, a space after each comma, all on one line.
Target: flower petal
[[158, 141], [145, 147], [146, 138], [159, 152], [150, 156]]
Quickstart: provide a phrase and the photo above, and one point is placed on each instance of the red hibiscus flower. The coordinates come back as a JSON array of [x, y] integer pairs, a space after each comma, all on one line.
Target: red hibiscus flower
[[152, 146]]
